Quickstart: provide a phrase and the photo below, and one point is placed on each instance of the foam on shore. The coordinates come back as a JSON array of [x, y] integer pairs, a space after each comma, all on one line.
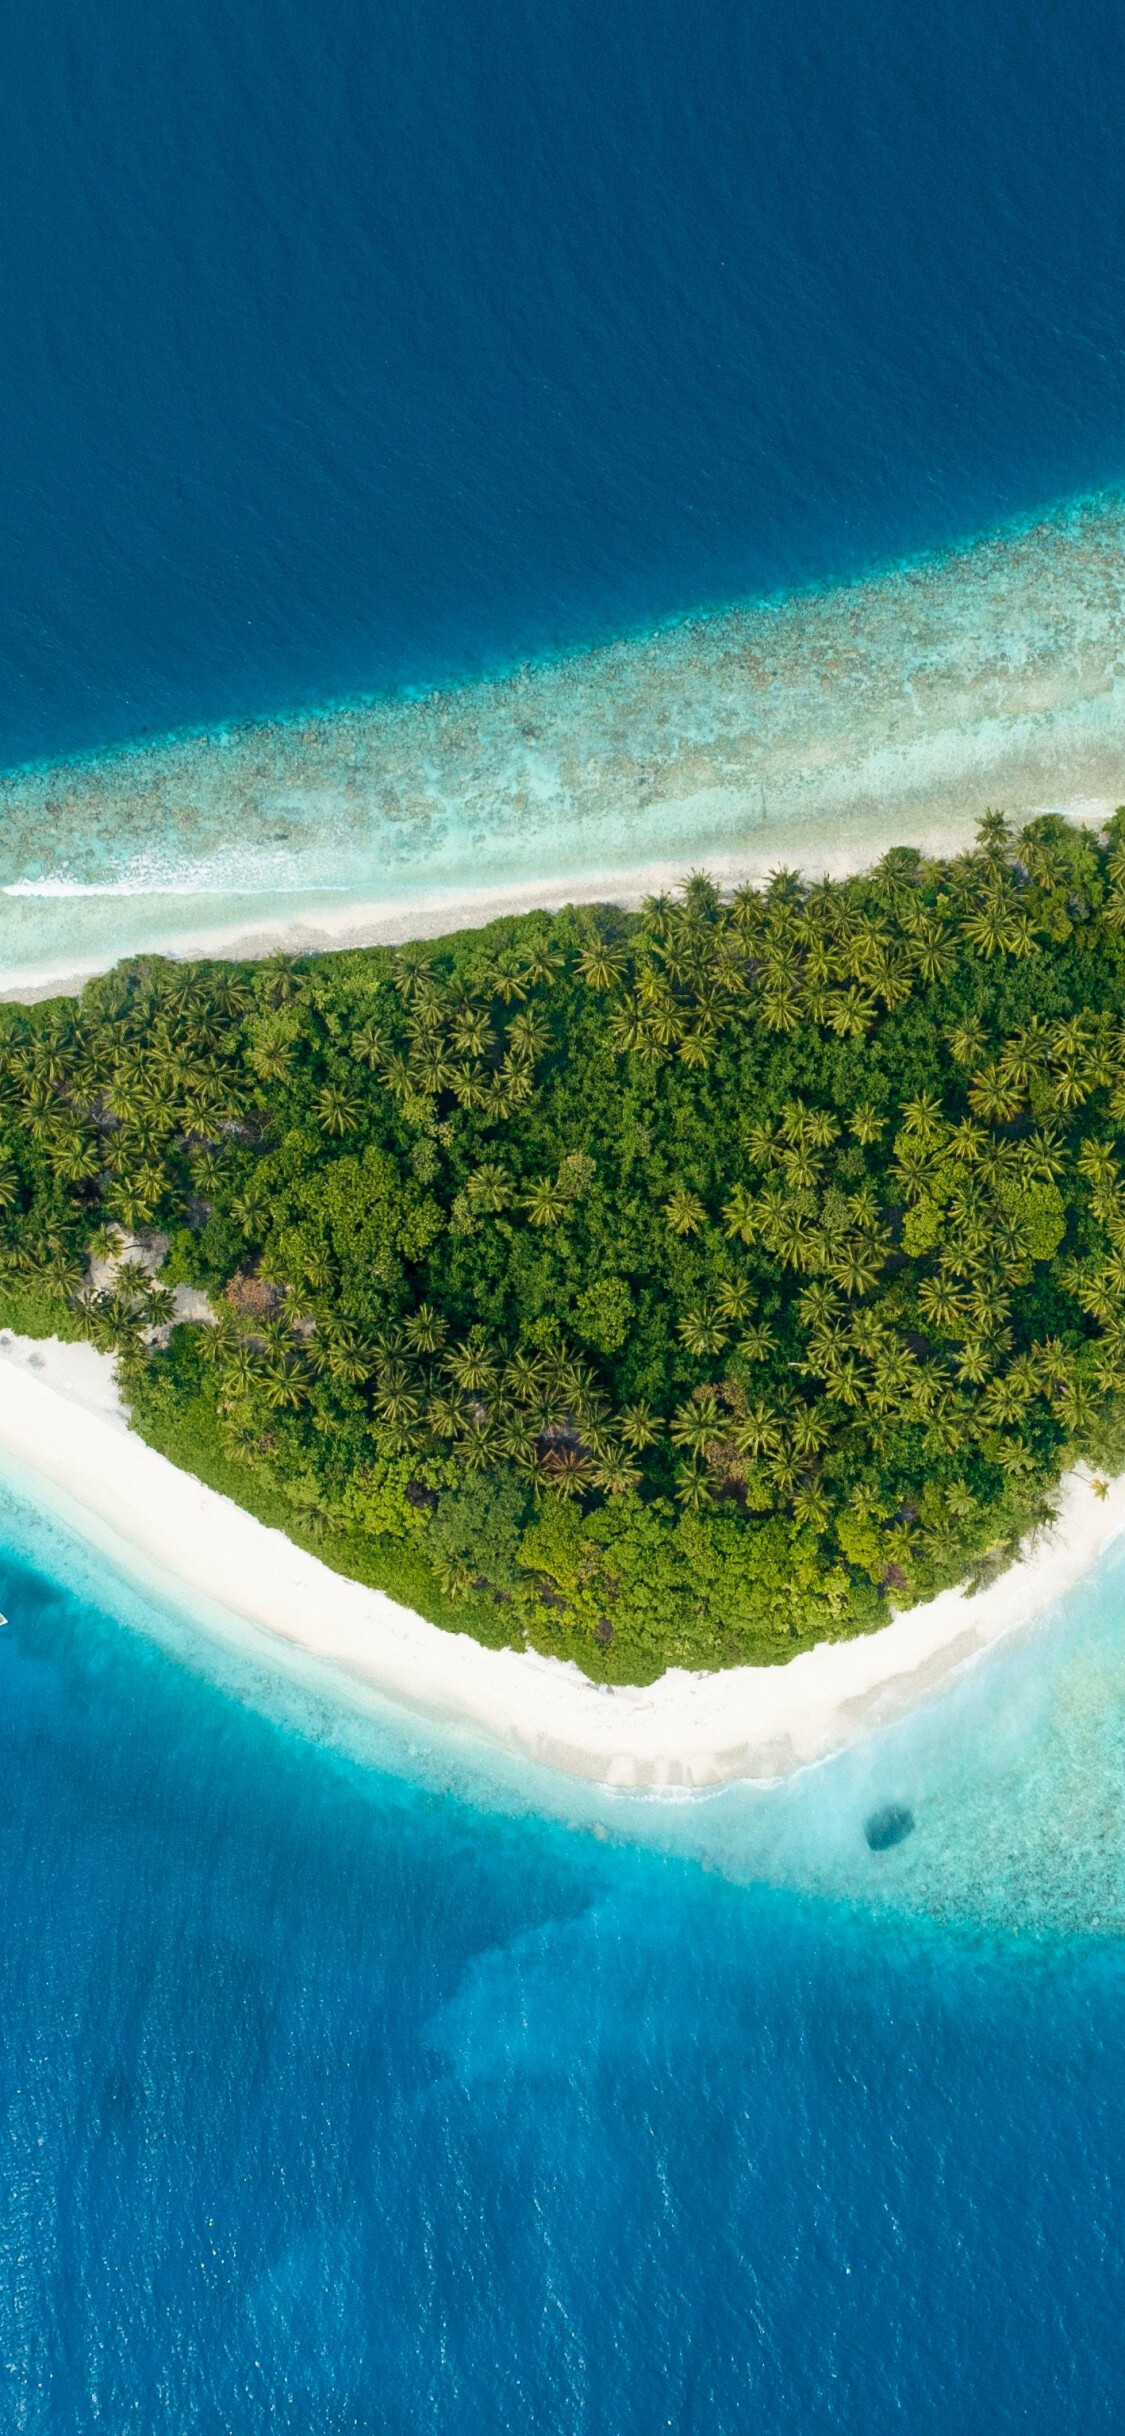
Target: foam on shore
[[60, 1416], [816, 729]]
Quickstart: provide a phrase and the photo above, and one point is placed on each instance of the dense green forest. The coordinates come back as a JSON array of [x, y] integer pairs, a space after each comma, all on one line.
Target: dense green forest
[[679, 1287]]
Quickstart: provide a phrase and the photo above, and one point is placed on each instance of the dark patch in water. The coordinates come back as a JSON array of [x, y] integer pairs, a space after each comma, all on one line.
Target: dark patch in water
[[889, 1826]]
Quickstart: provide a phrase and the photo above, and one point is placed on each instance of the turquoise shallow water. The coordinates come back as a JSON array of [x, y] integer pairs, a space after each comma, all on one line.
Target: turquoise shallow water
[[351, 2080], [814, 726]]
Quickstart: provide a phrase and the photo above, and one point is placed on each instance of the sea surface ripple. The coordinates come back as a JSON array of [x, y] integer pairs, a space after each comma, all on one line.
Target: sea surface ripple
[[354, 359], [351, 2081]]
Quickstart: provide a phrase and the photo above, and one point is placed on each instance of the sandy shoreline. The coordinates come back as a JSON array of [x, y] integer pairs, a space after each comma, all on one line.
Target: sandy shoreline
[[60, 1416], [337, 920], [812, 729]]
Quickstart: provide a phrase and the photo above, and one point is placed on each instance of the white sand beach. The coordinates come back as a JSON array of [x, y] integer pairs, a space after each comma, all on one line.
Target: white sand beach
[[813, 730], [61, 1417], [185, 927]]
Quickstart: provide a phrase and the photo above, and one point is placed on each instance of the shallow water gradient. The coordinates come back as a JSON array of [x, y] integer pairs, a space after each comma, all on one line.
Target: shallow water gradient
[[353, 354], [351, 2082]]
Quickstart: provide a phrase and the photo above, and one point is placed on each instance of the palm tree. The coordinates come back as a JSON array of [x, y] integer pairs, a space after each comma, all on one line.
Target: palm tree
[[848, 1383], [472, 1366], [808, 1430], [524, 1376], [513, 1085], [284, 1383], [940, 1304], [734, 1298], [758, 1431], [995, 1097], [396, 1400], [9, 1182], [64, 1274], [761, 1144], [1076, 1409], [1003, 1401], [510, 976], [792, 1237], [337, 1112], [639, 1426], [740, 1214], [367, 1045], [852, 1012], [779, 1006], [1071, 1084], [697, 1044], [412, 967], [569, 1470], [1096, 1161], [470, 1085], [601, 965], [801, 1167], [489, 1189], [662, 1015], [693, 1489], [968, 1143], [471, 1030], [528, 1035], [75, 1157], [989, 928], [811, 1507], [746, 911], [105, 1242], [425, 1330], [431, 1071], [932, 949], [974, 1363], [1095, 1294], [614, 1475], [967, 1042], [685, 1212], [866, 1123], [1109, 1371], [702, 1332], [657, 914], [818, 1304], [1053, 1364], [627, 1029], [546, 1202], [544, 963], [698, 1424]]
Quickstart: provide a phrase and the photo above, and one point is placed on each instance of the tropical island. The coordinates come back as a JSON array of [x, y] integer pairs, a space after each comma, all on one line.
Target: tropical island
[[683, 1288]]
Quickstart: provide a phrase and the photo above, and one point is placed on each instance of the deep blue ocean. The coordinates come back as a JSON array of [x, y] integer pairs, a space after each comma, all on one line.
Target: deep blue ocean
[[345, 347], [351, 2084]]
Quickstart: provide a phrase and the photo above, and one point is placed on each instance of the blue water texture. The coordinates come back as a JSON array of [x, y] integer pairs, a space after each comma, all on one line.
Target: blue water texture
[[353, 2081], [350, 2081], [352, 348]]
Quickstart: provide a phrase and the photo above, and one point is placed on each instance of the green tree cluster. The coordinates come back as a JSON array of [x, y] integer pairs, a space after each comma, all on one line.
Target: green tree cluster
[[673, 1287]]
